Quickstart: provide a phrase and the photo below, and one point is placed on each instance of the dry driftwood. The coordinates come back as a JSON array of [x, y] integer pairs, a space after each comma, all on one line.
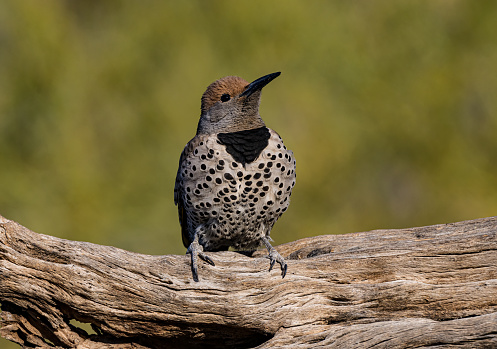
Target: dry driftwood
[[433, 286]]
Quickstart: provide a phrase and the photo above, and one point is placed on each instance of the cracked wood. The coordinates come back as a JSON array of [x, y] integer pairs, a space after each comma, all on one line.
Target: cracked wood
[[430, 286]]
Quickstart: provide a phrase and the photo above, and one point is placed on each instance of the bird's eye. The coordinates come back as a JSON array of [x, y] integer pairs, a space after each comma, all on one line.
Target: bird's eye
[[225, 97]]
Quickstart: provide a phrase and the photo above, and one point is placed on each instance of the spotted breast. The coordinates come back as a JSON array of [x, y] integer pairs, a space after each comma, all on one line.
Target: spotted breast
[[235, 177]]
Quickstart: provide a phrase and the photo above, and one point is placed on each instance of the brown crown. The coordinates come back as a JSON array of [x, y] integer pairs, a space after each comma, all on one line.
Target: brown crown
[[232, 85]]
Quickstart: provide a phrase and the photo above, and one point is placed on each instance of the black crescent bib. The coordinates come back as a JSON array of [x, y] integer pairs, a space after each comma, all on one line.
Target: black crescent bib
[[245, 146]]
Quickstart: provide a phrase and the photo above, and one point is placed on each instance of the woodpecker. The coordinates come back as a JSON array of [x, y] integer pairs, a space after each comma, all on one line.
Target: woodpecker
[[235, 177]]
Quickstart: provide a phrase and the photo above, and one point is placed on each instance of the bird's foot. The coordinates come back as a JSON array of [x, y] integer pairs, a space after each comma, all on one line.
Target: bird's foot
[[274, 257], [196, 250]]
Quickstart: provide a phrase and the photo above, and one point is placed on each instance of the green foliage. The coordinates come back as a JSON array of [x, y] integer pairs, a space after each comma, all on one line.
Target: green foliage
[[389, 107]]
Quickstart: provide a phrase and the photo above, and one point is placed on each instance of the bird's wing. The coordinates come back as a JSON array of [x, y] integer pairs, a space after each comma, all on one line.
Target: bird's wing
[[178, 197]]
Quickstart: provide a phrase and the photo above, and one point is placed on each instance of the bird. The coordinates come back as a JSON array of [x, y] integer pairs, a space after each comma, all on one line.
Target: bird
[[235, 177]]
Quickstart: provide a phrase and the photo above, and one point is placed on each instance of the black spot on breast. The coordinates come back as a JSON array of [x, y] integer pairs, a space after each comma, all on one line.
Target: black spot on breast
[[245, 146]]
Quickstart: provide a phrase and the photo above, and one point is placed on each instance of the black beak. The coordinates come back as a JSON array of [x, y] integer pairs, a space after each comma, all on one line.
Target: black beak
[[258, 84]]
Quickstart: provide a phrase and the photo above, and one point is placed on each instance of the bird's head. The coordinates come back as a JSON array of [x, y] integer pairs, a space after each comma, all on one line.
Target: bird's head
[[231, 104]]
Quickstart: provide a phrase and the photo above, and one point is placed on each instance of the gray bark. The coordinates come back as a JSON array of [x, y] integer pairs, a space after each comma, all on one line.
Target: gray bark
[[432, 286]]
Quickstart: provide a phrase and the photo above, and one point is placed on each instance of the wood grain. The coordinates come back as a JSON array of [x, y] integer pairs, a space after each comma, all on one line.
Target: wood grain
[[433, 286]]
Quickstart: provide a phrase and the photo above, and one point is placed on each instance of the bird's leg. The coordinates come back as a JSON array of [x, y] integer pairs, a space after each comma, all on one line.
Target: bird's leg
[[274, 256], [197, 250]]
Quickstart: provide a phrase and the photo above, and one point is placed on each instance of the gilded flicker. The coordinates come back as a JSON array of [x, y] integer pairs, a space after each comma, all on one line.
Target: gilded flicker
[[235, 177]]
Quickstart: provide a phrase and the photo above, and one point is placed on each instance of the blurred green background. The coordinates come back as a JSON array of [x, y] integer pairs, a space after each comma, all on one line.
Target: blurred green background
[[390, 109]]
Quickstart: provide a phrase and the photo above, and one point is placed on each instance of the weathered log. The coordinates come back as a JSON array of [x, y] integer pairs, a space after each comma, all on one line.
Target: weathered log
[[432, 286]]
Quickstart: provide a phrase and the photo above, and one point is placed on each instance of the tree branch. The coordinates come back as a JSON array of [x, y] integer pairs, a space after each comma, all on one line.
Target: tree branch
[[430, 286]]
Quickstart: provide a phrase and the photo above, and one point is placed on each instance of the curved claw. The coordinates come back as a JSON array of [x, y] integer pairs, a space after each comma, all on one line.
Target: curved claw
[[271, 264], [283, 270], [206, 258]]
